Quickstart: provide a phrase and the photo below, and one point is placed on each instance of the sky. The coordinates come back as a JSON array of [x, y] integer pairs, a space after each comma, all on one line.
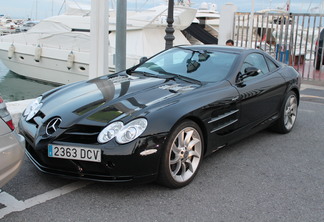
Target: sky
[[40, 9]]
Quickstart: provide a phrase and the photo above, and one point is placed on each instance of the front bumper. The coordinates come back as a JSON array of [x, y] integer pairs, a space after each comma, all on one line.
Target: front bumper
[[114, 167]]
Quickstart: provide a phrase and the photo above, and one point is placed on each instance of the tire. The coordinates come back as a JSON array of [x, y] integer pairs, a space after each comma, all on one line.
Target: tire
[[288, 114], [182, 156]]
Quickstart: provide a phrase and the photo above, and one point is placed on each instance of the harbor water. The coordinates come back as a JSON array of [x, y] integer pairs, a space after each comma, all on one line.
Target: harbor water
[[14, 87]]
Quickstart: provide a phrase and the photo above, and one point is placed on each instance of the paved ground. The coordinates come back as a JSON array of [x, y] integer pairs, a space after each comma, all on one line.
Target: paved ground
[[312, 93], [267, 177]]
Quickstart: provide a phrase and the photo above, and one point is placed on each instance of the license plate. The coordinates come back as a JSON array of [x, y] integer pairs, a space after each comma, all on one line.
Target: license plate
[[74, 153]]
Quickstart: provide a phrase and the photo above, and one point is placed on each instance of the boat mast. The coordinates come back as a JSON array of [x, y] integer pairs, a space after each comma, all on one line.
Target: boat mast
[[36, 9]]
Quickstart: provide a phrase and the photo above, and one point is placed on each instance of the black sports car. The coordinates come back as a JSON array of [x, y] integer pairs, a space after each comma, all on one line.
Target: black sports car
[[157, 120]]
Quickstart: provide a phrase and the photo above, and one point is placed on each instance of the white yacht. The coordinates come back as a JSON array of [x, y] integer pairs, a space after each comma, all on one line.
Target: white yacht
[[8, 25], [57, 49]]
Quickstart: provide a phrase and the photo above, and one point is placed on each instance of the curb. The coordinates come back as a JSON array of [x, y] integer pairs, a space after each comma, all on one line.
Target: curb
[[16, 108]]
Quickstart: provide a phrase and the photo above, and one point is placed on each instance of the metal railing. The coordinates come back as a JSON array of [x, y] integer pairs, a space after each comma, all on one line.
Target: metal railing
[[290, 38]]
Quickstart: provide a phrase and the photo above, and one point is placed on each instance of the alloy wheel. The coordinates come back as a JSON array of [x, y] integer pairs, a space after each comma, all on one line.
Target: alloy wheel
[[185, 154], [290, 112]]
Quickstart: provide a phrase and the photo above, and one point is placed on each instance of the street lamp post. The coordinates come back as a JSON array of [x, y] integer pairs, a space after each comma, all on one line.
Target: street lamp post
[[169, 37]]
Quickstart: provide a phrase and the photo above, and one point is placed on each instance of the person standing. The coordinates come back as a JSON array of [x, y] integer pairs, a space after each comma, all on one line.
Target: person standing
[[230, 42]]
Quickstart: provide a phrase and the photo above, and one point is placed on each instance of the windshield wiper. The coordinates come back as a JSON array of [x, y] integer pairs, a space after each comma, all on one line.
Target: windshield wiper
[[147, 74], [184, 78], [173, 75]]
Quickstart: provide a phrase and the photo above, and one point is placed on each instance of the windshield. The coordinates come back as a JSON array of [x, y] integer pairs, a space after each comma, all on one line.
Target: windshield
[[201, 65]]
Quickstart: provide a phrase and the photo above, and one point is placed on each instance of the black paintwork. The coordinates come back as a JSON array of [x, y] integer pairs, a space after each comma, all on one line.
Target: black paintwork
[[226, 110]]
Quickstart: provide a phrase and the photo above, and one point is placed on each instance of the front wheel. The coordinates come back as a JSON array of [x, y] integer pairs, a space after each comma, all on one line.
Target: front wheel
[[182, 155], [288, 114]]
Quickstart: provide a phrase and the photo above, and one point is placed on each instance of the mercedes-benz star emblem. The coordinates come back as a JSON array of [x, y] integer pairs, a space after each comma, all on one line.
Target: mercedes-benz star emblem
[[53, 125]]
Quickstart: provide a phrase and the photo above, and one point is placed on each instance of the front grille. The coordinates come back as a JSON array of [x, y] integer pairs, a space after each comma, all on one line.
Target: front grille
[[80, 134]]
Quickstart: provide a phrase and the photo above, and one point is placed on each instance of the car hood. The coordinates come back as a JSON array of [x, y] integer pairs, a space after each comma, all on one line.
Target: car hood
[[109, 98]]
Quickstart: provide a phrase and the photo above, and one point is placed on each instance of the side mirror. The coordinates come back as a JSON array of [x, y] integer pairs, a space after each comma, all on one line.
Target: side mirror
[[192, 65], [251, 71], [248, 72], [142, 60]]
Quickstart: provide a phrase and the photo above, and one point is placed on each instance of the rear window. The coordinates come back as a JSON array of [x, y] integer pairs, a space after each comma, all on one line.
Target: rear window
[[272, 66]]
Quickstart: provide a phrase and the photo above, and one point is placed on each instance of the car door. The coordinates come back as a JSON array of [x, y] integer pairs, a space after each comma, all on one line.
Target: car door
[[260, 96]]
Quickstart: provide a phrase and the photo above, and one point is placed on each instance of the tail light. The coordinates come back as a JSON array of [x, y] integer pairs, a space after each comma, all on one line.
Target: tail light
[[5, 115]]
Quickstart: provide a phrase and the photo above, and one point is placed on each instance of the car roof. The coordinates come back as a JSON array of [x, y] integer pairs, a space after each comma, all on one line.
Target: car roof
[[232, 49]]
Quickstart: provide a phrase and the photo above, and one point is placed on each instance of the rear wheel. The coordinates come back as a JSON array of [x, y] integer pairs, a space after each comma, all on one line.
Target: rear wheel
[[288, 114], [182, 156]]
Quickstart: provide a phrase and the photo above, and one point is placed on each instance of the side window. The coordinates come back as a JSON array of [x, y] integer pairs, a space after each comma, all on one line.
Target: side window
[[257, 60], [272, 66]]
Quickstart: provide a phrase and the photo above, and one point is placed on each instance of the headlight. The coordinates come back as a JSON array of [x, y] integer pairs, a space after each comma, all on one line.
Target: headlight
[[109, 132], [33, 108], [131, 131], [123, 133]]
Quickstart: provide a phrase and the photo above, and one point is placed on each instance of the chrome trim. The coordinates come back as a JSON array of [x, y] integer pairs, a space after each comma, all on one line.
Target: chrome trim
[[219, 147], [53, 125], [148, 152], [223, 116], [235, 98], [223, 126]]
